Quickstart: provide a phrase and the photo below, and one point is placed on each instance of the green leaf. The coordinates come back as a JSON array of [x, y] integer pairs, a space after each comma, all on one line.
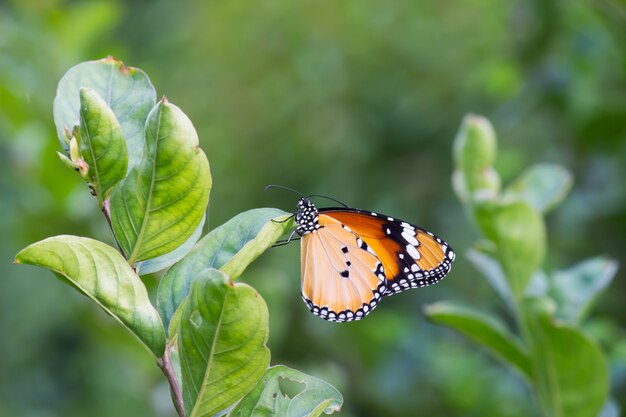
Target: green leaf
[[163, 200], [520, 238], [571, 374], [543, 186], [475, 152], [476, 187], [475, 145], [489, 266], [285, 392], [575, 289], [538, 285], [222, 335], [67, 161], [126, 90], [101, 273], [254, 246], [161, 262], [484, 330], [483, 213], [102, 144], [232, 246]]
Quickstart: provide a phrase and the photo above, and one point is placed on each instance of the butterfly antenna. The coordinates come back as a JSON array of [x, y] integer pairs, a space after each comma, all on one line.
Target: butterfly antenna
[[329, 198], [267, 187]]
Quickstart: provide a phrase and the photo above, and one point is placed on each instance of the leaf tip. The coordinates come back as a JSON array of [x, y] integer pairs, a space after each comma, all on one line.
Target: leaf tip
[[85, 93], [612, 265], [474, 118], [67, 134], [110, 59], [164, 100], [430, 309], [86, 90]]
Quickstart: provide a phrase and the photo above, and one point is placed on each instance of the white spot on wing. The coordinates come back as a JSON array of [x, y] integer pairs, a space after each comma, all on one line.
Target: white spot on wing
[[413, 252], [410, 238]]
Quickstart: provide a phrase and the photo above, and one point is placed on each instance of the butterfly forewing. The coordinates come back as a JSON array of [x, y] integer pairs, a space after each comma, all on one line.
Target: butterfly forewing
[[342, 279], [411, 256]]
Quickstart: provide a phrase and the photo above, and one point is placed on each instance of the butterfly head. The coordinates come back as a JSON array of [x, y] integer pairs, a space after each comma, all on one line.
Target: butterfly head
[[306, 217]]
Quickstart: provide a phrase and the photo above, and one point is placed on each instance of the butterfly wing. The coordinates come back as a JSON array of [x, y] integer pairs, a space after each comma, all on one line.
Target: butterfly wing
[[411, 256], [341, 279]]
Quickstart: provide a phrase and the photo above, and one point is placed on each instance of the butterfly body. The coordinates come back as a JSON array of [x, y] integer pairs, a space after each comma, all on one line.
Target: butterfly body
[[352, 258]]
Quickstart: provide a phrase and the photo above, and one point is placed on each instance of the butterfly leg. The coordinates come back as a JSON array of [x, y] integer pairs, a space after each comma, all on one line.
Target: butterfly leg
[[286, 241], [283, 221]]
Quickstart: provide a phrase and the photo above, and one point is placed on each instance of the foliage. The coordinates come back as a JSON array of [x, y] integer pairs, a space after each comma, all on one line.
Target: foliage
[[223, 327], [565, 367], [274, 395], [359, 100], [217, 329]]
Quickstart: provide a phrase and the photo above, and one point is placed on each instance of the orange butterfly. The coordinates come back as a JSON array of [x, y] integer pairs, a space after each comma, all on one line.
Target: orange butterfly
[[352, 258]]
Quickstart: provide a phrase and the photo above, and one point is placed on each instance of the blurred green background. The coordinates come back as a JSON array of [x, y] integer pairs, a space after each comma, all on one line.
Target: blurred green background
[[358, 100]]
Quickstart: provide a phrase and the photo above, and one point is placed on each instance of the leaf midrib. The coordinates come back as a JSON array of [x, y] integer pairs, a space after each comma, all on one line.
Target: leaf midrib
[[93, 158], [553, 383], [207, 373], [144, 221], [552, 386], [110, 85]]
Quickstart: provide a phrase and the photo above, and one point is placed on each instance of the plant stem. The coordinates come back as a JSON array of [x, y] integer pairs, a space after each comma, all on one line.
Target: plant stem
[[177, 396], [106, 210]]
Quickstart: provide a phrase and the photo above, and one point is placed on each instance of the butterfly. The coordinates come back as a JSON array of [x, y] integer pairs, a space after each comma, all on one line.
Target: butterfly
[[353, 258]]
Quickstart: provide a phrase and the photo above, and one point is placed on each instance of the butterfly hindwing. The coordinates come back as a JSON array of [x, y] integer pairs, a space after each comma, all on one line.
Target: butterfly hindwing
[[424, 260], [342, 279], [411, 256]]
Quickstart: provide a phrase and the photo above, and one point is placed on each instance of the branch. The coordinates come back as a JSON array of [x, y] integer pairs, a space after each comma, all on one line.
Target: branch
[[168, 370]]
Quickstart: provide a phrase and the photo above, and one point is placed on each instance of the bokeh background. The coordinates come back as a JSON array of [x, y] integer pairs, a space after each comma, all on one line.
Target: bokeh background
[[359, 100]]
